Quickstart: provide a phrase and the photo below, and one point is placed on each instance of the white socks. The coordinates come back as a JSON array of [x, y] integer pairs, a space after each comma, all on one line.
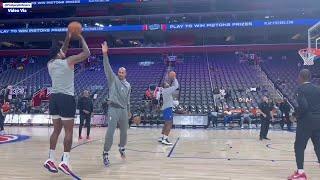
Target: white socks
[[66, 157], [52, 154], [300, 171]]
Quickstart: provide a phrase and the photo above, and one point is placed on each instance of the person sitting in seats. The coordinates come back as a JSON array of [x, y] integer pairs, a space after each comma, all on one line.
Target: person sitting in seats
[[227, 117], [246, 117], [152, 94]]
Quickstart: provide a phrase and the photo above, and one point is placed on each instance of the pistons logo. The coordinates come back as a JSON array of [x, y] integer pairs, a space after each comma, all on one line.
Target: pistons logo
[[12, 138]]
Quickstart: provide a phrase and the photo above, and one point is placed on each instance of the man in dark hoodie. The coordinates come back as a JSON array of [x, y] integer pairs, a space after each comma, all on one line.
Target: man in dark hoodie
[[308, 121]]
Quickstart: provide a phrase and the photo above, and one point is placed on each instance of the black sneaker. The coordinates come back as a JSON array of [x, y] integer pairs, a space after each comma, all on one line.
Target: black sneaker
[[122, 152], [166, 142], [106, 161]]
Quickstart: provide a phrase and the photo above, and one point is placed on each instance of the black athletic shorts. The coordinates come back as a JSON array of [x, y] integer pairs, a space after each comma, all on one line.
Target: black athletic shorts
[[62, 106]]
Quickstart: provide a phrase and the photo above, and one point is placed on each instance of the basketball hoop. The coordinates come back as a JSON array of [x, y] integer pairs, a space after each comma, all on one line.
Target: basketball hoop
[[313, 51], [308, 55]]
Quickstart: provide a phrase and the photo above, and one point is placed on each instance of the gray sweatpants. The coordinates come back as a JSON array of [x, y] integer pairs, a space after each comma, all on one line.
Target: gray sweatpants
[[116, 116]]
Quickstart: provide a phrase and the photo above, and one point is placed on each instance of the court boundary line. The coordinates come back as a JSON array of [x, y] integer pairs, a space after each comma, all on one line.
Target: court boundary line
[[87, 142], [174, 146]]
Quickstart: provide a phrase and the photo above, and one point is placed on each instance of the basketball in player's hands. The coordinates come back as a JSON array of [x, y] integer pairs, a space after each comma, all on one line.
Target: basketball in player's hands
[[172, 75], [75, 28]]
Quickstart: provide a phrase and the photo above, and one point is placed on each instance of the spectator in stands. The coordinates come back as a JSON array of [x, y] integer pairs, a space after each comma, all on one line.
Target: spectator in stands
[[285, 110], [152, 94], [216, 94], [222, 93], [8, 93], [227, 117], [246, 117], [228, 95], [216, 91], [85, 106], [254, 111], [29, 106], [213, 116]]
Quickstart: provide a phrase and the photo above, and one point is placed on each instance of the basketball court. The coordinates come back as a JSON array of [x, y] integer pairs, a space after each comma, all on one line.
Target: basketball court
[[227, 57], [196, 154]]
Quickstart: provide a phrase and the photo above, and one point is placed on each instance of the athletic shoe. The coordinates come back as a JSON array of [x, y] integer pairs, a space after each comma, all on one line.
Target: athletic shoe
[[250, 126], [122, 152], [88, 138], [160, 139], [106, 161], [241, 127], [50, 166], [2, 133], [65, 168], [166, 142], [297, 176]]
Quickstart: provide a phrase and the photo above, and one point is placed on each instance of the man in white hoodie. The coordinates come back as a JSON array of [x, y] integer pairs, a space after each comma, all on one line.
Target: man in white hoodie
[[167, 106]]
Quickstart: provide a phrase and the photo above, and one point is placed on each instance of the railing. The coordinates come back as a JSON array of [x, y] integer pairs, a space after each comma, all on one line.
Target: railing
[[210, 78], [163, 50], [275, 87]]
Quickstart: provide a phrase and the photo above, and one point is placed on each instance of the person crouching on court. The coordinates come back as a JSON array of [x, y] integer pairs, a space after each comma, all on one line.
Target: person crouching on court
[[119, 106], [167, 106]]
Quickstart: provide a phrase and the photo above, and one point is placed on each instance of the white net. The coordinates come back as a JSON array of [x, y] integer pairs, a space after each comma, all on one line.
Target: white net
[[308, 55]]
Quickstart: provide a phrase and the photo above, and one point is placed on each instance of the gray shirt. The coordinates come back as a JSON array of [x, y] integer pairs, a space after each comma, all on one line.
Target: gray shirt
[[167, 95], [62, 77], [119, 90]]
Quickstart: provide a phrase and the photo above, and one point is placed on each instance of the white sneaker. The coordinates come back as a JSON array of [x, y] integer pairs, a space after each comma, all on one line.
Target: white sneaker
[[166, 142], [50, 166], [65, 168], [250, 126], [160, 139]]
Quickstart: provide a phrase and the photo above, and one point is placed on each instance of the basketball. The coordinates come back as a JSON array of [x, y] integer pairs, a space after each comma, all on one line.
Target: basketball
[[6, 107], [75, 28], [136, 120], [172, 75]]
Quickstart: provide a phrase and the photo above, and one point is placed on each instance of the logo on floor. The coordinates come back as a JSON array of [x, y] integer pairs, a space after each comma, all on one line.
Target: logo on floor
[[10, 138]]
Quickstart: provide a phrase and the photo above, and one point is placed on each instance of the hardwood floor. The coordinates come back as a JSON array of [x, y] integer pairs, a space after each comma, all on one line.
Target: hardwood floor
[[198, 154]]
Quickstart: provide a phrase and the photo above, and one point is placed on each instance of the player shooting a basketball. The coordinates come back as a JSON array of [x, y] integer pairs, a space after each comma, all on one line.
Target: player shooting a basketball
[[119, 106], [62, 105], [167, 106]]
